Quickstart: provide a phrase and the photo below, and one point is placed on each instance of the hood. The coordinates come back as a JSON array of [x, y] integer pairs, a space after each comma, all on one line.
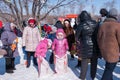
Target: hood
[[84, 16], [7, 26], [60, 31]]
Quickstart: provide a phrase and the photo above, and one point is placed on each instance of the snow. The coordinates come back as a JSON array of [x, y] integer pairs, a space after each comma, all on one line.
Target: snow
[[23, 73]]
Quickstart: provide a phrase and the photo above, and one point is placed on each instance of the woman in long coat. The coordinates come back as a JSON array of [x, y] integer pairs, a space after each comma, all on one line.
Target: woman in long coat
[[84, 37], [7, 38]]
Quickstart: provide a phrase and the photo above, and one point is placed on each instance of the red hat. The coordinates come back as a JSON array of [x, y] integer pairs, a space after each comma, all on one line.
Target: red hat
[[1, 24], [32, 20], [47, 28]]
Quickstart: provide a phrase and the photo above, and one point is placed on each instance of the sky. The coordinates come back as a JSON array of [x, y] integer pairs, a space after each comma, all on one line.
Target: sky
[[98, 4]]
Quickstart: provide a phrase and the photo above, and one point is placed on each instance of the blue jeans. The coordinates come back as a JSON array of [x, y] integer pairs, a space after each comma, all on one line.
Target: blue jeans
[[109, 68]]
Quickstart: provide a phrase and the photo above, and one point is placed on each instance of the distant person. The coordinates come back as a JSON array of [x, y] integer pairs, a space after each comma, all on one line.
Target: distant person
[[103, 15], [30, 40], [59, 24], [109, 41]]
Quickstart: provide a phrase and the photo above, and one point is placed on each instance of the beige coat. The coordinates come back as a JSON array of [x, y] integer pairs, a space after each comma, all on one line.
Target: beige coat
[[31, 38], [109, 40]]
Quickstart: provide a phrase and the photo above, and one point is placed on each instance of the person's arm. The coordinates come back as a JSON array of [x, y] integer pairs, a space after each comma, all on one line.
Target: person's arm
[[4, 38], [24, 36], [78, 33]]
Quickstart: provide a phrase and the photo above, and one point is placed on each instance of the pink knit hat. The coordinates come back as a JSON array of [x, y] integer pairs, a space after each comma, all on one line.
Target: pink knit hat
[[60, 31]]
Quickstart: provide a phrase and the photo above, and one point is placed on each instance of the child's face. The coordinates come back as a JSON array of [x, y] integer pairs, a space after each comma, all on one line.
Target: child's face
[[60, 35], [32, 24]]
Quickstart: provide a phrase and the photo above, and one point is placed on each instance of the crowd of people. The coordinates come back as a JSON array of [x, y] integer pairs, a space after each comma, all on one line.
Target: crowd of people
[[88, 39]]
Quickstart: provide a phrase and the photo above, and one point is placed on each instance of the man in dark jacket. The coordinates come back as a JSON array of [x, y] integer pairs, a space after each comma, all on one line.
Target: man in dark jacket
[[84, 36], [109, 41]]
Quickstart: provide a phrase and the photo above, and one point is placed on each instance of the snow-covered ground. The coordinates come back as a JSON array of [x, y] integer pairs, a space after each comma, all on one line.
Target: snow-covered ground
[[23, 73]]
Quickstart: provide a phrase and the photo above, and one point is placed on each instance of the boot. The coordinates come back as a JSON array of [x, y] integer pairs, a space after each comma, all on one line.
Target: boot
[[9, 71], [8, 66], [28, 64], [13, 64]]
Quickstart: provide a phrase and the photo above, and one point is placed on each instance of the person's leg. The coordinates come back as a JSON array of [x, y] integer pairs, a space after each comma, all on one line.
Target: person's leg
[[51, 59], [93, 69], [13, 64], [28, 59], [34, 59], [8, 65], [84, 67], [109, 68]]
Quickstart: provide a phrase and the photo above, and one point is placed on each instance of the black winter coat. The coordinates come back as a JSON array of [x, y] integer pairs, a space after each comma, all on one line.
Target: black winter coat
[[84, 34]]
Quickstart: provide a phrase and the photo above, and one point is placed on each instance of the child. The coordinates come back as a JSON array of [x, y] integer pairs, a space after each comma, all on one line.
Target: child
[[60, 47], [41, 54]]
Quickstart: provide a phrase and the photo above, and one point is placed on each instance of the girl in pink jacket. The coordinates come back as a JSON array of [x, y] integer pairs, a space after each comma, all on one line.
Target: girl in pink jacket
[[60, 47], [40, 53]]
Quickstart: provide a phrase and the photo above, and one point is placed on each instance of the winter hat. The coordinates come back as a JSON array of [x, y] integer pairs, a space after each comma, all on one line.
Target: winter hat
[[113, 13], [60, 31], [31, 20], [47, 28]]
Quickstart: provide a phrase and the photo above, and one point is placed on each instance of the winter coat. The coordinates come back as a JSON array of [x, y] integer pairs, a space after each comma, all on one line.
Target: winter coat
[[31, 38], [7, 38], [84, 35], [60, 47], [109, 40], [70, 36], [41, 48]]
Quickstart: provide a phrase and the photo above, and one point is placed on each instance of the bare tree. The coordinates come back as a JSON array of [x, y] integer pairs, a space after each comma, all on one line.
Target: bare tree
[[18, 10], [109, 4]]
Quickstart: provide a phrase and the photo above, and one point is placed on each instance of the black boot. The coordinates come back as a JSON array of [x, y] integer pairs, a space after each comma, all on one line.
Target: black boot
[[8, 65], [13, 64]]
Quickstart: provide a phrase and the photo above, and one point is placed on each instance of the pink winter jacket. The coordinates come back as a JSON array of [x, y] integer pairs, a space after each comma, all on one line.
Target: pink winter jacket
[[60, 47], [41, 48]]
